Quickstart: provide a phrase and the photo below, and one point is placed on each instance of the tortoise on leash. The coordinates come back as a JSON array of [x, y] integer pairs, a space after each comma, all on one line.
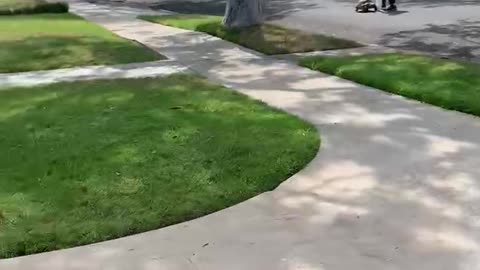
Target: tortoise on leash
[[364, 6]]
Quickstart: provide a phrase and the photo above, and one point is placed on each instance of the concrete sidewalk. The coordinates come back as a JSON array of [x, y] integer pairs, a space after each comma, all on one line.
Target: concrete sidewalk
[[135, 70], [394, 187]]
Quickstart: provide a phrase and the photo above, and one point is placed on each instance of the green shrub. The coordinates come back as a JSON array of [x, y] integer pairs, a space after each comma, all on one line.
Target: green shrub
[[40, 8]]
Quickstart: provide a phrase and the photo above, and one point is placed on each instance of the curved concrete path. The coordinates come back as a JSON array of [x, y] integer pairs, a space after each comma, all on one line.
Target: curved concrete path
[[395, 185]]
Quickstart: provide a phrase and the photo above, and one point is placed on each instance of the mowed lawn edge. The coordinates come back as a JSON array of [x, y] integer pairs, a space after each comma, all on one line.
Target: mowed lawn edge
[[448, 84], [53, 41], [90, 161], [267, 38]]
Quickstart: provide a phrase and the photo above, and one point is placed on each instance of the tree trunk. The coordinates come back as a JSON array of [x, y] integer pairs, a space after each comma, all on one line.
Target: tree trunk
[[243, 13]]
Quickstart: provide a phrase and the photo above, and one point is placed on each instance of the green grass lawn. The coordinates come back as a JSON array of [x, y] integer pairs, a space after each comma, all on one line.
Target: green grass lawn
[[448, 84], [18, 4], [266, 38], [49, 41], [88, 161], [10, 7]]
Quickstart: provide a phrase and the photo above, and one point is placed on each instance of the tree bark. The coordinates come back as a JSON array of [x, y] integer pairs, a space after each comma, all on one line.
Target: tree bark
[[243, 13]]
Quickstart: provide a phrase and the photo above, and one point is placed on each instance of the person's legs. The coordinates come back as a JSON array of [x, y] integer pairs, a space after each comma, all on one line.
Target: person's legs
[[384, 3], [391, 5]]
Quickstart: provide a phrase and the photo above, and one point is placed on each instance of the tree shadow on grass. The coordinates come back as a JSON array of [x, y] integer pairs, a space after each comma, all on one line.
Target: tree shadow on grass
[[266, 38], [274, 40]]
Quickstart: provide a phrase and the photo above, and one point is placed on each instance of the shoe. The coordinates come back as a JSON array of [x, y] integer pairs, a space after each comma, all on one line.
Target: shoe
[[390, 8]]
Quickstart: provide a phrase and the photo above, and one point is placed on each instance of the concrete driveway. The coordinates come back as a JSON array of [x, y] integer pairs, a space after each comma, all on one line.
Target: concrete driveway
[[444, 27]]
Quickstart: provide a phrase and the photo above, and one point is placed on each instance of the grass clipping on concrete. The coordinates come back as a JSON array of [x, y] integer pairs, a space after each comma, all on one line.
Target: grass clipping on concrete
[[88, 161], [51, 41], [444, 83], [268, 39]]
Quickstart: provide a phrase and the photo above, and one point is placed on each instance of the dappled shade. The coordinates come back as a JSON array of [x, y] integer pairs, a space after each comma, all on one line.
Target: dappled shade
[[266, 38], [88, 161], [448, 84]]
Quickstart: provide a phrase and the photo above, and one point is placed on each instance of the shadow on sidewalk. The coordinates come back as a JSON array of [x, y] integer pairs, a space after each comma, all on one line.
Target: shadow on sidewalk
[[396, 203]]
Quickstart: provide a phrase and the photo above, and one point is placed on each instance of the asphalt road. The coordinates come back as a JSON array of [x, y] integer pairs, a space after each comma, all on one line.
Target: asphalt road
[[444, 27]]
